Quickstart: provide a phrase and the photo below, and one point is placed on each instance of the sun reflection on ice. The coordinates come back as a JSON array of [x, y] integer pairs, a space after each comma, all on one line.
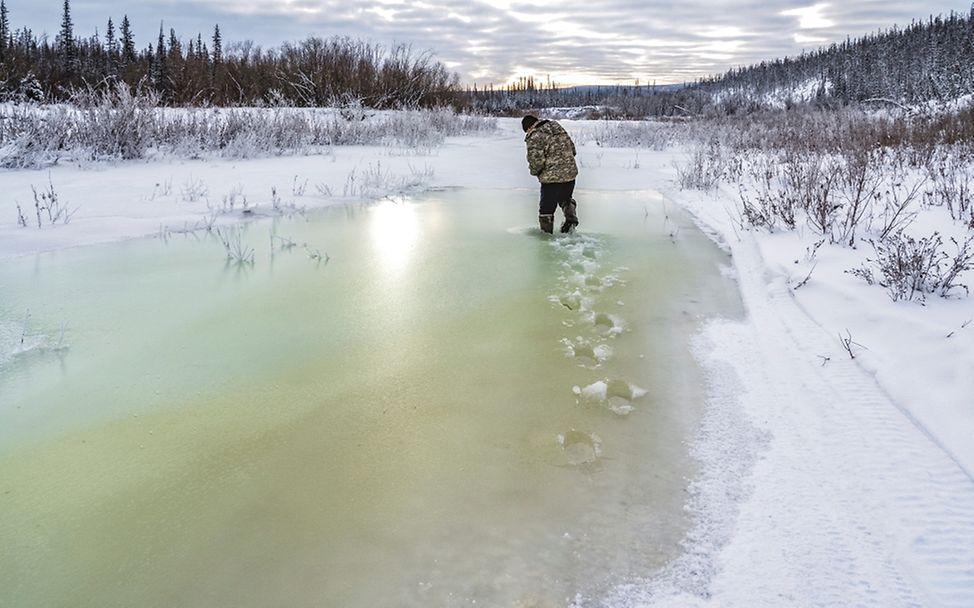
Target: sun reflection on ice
[[394, 228]]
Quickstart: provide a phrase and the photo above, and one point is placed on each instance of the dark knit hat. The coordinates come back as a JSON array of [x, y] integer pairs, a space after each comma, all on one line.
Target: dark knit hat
[[528, 121]]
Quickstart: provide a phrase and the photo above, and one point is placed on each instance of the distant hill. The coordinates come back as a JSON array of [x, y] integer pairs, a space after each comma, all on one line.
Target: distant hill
[[930, 60], [592, 101]]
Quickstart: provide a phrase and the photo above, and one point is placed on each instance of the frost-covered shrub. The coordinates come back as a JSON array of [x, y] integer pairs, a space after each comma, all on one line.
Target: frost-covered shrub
[[114, 123], [31, 135], [911, 268], [952, 179], [759, 196], [776, 190], [704, 168], [193, 190], [897, 199], [238, 253], [47, 204], [808, 183], [860, 177]]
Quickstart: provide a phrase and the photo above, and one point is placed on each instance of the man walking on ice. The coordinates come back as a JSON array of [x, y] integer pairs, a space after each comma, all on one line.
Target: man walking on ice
[[551, 158]]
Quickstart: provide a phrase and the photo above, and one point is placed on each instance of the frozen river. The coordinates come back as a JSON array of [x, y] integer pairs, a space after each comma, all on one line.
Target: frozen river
[[446, 409]]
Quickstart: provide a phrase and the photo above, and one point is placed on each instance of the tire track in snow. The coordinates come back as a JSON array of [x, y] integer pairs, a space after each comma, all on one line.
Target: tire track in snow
[[851, 504], [897, 491], [872, 505]]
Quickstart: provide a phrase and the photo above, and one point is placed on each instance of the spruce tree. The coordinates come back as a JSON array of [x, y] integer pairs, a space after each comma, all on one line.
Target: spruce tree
[[128, 43], [159, 71], [66, 45], [111, 44], [217, 45], [4, 26], [201, 52], [175, 47]]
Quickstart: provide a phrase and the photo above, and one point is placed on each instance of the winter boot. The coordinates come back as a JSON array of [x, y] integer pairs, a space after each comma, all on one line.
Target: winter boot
[[571, 220], [547, 223]]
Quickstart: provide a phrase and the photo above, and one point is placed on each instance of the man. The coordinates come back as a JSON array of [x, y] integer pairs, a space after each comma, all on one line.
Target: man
[[551, 158]]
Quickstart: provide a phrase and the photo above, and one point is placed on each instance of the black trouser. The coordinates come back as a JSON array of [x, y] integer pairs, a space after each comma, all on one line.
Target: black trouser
[[554, 194]]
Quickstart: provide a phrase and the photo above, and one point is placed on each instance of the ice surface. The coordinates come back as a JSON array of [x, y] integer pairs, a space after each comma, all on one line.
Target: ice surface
[[392, 427]]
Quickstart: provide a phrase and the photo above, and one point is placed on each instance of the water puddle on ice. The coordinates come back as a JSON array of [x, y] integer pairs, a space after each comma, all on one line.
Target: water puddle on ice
[[445, 408]]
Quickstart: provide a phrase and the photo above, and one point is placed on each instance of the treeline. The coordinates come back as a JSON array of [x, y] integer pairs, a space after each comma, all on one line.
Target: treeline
[[930, 60], [618, 101], [203, 70]]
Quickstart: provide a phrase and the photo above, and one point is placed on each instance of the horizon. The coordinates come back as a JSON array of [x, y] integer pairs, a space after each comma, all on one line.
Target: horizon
[[573, 45]]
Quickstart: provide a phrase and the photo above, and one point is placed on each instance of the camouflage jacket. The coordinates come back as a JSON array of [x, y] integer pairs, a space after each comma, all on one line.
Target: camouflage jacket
[[551, 153]]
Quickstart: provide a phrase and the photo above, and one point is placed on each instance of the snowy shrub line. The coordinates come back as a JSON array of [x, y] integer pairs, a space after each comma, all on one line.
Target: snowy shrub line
[[838, 196], [847, 176], [117, 124], [914, 137], [911, 268], [867, 194], [850, 171], [652, 134]]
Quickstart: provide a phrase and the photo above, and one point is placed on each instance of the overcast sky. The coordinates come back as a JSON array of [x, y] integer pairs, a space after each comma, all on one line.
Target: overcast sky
[[573, 41]]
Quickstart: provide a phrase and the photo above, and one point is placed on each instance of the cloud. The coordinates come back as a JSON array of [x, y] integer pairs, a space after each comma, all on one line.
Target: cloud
[[811, 17], [573, 41], [805, 39]]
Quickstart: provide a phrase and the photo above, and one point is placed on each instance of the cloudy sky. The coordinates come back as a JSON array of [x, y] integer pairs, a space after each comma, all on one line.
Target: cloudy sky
[[572, 41]]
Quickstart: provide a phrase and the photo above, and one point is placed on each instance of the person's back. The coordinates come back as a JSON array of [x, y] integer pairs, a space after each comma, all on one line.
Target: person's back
[[551, 153], [551, 158]]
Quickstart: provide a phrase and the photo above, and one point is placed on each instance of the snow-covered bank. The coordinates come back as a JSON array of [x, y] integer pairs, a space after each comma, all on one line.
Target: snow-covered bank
[[851, 501], [920, 354], [828, 480]]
